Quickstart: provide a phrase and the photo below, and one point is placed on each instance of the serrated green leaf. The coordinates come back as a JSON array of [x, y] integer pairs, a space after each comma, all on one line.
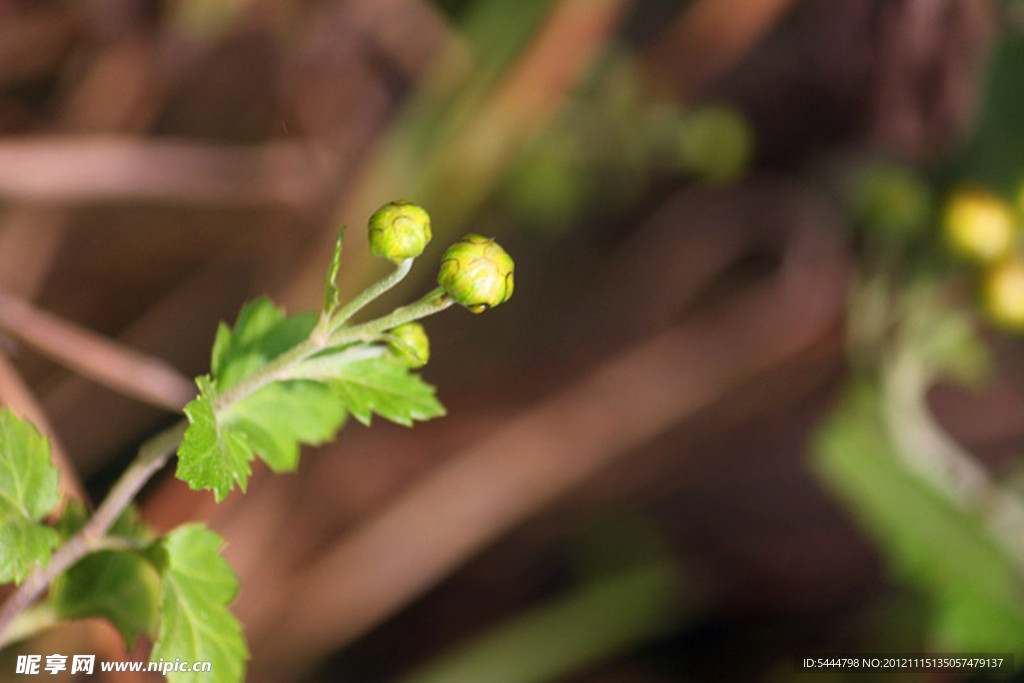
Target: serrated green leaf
[[261, 333], [122, 587], [211, 456], [195, 624], [331, 292], [28, 492], [378, 385], [280, 416], [941, 549]]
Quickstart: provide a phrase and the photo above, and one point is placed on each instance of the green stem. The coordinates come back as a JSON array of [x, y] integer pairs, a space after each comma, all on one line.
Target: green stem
[[281, 367], [434, 302], [336, 320], [273, 371], [152, 456], [319, 367]]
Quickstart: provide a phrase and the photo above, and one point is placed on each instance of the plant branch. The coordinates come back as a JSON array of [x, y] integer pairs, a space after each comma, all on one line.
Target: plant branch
[[434, 302], [273, 371], [155, 452], [152, 456], [319, 367], [372, 292], [281, 367]]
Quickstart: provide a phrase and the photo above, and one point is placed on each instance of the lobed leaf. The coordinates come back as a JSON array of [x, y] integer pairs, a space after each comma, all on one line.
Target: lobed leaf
[[379, 385], [261, 333], [211, 456], [282, 415], [28, 491], [272, 422], [195, 624]]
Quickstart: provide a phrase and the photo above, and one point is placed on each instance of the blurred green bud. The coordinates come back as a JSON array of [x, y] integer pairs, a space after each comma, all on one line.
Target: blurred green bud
[[979, 225], [1003, 294], [716, 143], [894, 201], [399, 231], [410, 345], [477, 273]]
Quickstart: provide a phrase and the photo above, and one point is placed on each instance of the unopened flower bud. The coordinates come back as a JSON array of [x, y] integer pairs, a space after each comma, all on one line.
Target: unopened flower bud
[[399, 231], [477, 273], [410, 345]]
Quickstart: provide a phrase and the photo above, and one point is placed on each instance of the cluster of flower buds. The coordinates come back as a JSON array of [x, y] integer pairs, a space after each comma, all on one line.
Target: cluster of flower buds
[[476, 272]]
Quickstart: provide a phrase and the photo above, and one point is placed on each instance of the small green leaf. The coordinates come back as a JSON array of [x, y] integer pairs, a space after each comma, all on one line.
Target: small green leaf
[[331, 292], [261, 333], [378, 385], [122, 587], [280, 416], [195, 624], [28, 492], [211, 456]]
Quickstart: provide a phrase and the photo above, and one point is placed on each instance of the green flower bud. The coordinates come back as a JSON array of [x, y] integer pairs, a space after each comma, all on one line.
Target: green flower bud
[[477, 273], [410, 345], [1003, 294], [979, 226], [399, 231]]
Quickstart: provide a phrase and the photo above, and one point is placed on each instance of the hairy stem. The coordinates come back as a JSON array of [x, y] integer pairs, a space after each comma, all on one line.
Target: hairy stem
[[434, 302], [152, 456], [273, 371], [336, 320]]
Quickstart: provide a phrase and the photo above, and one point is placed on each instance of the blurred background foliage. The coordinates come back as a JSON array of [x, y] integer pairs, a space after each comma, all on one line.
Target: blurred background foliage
[[758, 392]]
